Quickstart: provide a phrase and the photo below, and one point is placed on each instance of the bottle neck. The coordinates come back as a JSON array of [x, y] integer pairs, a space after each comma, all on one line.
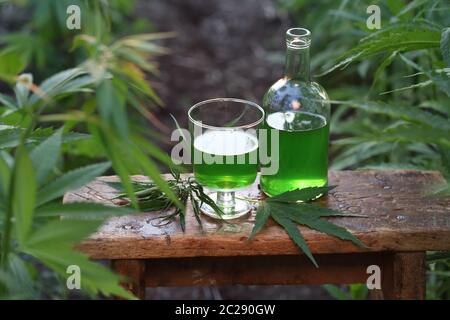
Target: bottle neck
[[297, 64]]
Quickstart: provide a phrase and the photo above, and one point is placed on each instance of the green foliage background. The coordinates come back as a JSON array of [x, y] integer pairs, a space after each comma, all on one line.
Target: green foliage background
[[73, 110]]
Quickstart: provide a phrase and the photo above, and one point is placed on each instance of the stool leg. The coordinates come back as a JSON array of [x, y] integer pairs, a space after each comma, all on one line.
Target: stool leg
[[134, 271], [404, 276]]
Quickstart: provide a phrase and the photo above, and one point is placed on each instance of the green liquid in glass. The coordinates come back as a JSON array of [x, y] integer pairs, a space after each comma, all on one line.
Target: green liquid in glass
[[303, 152], [237, 152]]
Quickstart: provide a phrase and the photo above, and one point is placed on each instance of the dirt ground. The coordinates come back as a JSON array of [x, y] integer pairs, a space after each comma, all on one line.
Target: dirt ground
[[227, 48]]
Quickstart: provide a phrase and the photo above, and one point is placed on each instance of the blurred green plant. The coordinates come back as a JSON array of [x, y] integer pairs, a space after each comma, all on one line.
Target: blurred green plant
[[391, 90], [79, 111], [44, 40], [35, 223], [351, 292]]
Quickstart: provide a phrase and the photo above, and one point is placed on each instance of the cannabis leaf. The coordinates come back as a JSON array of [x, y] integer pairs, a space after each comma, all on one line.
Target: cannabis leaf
[[294, 234], [297, 195], [289, 209], [262, 214]]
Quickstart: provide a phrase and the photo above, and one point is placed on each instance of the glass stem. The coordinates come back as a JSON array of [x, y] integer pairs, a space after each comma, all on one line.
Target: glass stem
[[226, 201]]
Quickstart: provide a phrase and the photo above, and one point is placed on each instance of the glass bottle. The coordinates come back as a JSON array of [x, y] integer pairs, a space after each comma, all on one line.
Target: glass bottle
[[298, 109]]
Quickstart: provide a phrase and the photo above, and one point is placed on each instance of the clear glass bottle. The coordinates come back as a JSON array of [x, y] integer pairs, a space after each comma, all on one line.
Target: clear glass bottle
[[298, 109]]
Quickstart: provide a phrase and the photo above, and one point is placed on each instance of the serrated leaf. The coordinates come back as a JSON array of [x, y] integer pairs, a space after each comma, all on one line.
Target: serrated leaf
[[328, 228], [111, 107], [10, 137], [422, 84], [290, 212], [386, 62], [445, 46], [5, 176], [153, 151], [45, 156], [144, 46], [62, 232], [23, 283], [107, 141], [131, 55], [141, 85], [401, 36], [294, 234], [81, 211], [359, 152], [55, 84], [23, 194], [95, 279], [395, 6], [12, 63], [399, 111], [440, 77], [307, 210], [14, 280], [80, 84], [262, 214], [305, 194], [149, 36], [196, 209], [7, 102], [151, 170], [415, 133], [411, 6], [70, 181]]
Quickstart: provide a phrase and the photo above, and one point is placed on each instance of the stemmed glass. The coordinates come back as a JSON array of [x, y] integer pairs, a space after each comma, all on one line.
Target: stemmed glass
[[225, 151]]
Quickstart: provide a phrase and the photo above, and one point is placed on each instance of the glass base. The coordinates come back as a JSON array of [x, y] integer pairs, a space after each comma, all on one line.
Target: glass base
[[238, 209]]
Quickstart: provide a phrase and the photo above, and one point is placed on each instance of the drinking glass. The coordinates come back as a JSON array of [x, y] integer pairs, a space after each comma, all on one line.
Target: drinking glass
[[225, 151]]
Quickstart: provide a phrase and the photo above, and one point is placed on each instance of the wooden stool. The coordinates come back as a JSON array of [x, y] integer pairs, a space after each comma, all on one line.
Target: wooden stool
[[401, 224]]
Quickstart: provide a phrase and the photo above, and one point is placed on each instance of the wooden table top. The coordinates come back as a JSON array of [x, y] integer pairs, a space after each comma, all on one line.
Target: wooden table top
[[399, 218]]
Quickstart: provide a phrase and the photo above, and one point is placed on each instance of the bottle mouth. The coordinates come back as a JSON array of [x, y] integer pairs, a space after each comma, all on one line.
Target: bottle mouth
[[298, 38]]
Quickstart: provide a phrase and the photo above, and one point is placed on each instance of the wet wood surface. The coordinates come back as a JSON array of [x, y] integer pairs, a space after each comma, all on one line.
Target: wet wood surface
[[399, 217]]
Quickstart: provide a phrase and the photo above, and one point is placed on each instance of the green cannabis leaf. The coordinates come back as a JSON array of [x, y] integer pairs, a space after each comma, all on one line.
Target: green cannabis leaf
[[288, 209], [291, 208], [150, 197], [297, 195]]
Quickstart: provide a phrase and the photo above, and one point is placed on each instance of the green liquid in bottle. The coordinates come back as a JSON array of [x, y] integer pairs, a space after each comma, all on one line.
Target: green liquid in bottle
[[303, 152], [237, 152]]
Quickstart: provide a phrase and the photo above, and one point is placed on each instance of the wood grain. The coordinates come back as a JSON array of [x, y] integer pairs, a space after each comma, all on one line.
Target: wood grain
[[133, 273], [404, 278], [399, 218], [263, 270]]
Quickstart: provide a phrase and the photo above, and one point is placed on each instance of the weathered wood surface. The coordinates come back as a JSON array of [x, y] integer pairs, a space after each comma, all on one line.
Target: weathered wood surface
[[399, 218]]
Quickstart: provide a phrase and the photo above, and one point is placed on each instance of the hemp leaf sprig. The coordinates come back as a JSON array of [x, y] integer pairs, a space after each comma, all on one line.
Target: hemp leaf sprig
[[151, 198], [291, 208]]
